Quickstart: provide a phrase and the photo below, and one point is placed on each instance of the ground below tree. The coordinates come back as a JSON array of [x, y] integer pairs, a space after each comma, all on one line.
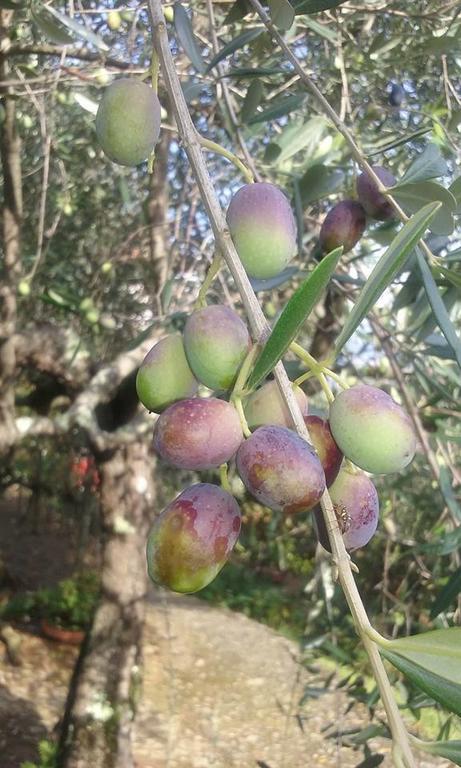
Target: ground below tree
[[219, 690]]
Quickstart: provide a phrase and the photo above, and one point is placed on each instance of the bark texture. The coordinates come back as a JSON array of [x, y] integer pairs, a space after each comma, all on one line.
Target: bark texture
[[102, 701], [11, 227]]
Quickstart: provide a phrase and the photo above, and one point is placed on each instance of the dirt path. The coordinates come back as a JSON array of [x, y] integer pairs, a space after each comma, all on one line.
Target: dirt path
[[219, 691], [222, 691]]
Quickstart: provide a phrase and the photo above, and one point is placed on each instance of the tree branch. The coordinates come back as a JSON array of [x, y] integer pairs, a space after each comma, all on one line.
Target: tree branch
[[260, 330], [82, 54]]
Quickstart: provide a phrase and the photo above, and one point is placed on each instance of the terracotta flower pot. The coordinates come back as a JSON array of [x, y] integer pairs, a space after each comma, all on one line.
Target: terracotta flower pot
[[69, 636]]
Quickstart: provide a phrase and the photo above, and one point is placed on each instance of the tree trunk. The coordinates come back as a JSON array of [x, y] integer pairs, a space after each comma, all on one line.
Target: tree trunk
[[101, 705], [11, 225]]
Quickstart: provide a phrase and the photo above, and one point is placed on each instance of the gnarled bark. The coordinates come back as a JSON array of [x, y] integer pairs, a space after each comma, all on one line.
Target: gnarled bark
[[101, 706]]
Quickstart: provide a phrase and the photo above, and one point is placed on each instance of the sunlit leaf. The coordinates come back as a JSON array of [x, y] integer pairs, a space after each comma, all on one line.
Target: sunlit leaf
[[186, 37], [428, 165], [86, 103], [294, 314], [386, 269], [234, 45], [412, 197], [439, 309]]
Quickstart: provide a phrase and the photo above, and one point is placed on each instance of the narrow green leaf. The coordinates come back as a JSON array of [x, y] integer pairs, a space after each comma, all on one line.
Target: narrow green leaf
[[446, 486], [383, 44], [386, 269], [293, 316], [455, 190], [282, 14], [321, 29], [279, 108], [439, 45], [448, 694], [185, 33], [315, 6], [52, 31], [453, 255], [397, 142], [438, 651], [252, 100], [191, 89], [318, 182], [428, 165], [448, 595], [274, 282], [445, 544], [271, 152], [12, 5], [238, 11], [238, 42], [438, 307], [449, 749], [452, 276], [412, 197], [78, 29], [249, 72]]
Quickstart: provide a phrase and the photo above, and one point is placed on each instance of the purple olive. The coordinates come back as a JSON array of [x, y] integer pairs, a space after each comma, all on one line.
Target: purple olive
[[192, 538], [375, 203], [343, 226], [356, 505], [280, 469], [263, 228], [328, 452], [199, 433]]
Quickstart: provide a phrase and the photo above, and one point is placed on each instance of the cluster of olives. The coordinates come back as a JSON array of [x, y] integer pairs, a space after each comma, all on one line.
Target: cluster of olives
[[345, 223], [193, 537]]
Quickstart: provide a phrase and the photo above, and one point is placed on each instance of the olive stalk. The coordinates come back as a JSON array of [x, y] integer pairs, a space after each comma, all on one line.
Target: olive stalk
[[260, 331]]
